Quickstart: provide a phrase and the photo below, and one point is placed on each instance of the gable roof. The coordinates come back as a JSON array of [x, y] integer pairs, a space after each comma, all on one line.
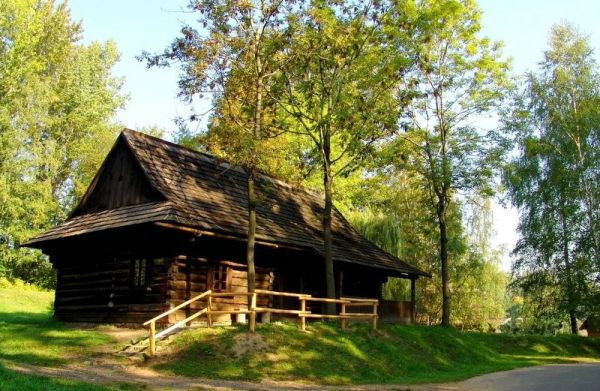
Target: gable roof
[[198, 191]]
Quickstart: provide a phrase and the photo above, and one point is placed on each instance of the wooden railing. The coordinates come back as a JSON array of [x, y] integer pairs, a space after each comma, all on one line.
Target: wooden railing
[[253, 309]]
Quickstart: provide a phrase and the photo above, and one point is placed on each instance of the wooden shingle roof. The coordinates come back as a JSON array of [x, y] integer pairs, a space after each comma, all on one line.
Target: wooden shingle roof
[[200, 192]]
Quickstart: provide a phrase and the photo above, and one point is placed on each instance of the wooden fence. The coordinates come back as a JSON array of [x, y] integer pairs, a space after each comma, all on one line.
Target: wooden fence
[[253, 309]]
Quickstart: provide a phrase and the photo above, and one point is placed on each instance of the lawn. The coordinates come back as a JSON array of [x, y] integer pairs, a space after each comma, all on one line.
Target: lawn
[[279, 351], [392, 354], [28, 334]]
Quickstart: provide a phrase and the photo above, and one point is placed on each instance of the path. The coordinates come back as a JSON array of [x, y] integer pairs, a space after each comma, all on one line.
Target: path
[[546, 378]]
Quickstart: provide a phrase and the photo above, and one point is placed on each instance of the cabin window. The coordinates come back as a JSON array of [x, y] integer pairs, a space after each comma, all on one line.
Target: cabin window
[[219, 280], [141, 269]]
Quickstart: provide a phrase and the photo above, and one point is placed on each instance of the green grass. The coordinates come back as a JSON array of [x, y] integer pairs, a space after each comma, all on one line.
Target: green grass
[[393, 354], [28, 334]]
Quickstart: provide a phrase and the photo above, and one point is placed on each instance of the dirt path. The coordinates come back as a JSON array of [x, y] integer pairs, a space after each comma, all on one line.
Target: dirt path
[[579, 376], [113, 373]]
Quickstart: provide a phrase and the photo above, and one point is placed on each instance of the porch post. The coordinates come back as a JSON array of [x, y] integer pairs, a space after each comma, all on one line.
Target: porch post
[[413, 315]]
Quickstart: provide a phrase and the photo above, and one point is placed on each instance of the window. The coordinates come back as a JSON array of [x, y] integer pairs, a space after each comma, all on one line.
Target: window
[[219, 278], [140, 275]]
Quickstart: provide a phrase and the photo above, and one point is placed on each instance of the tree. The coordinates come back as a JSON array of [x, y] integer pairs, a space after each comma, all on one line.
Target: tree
[[457, 77], [57, 100], [391, 208], [336, 88], [234, 58], [554, 179]]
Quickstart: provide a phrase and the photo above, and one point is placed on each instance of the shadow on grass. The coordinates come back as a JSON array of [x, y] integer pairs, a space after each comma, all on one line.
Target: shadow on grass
[[392, 354], [36, 338]]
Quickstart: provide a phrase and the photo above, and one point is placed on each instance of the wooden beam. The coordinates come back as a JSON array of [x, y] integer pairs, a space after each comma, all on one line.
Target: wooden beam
[[413, 315], [200, 232]]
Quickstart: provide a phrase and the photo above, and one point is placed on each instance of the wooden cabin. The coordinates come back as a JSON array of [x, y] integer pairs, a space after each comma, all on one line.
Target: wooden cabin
[[161, 223], [591, 325]]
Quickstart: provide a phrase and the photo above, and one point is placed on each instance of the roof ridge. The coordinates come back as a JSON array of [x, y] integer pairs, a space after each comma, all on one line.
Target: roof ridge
[[213, 159]]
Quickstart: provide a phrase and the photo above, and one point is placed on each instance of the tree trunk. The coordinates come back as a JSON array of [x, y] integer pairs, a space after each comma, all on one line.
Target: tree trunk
[[569, 270], [251, 230], [327, 234], [252, 200], [441, 212]]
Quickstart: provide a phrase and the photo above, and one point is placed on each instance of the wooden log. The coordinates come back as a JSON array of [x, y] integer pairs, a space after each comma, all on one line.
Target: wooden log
[[374, 321], [231, 311], [282, 294], [303, 311], [252, 315], [353, 299], [209, 311], [343, 324], [324, 300], [185, 303], [279, 311], [180, 323], [323, 316], [152, 341], [230, 294]]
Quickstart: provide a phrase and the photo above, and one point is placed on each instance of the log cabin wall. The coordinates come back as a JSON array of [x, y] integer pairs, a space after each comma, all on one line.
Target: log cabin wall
[[107, 291], [106, 287], [192, 275]]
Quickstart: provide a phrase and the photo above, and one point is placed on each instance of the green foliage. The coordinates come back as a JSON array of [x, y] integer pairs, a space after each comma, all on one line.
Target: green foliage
[[393, 354], [57, 98], [399, 219], [336, 88], [456, 77], [554, 181]]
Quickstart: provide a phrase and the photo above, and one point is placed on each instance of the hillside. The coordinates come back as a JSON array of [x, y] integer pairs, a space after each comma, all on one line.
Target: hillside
[[392, 354]]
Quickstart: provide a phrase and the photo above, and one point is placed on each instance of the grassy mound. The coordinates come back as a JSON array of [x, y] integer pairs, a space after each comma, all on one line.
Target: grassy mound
[[392, 354]]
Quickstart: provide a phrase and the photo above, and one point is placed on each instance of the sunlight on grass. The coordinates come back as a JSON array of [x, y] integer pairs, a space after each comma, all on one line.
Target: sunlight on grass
[[540, 348], [392, 354], [28, 334]]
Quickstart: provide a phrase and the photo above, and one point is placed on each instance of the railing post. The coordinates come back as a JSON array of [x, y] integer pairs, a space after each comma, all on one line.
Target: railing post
[[151, 339], [343, 313], [252, 320], [375, 316], [302, 317], [208, 311]]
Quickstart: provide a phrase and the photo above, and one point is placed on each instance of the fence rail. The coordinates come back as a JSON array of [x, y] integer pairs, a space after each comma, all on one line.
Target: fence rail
[[253, 309]]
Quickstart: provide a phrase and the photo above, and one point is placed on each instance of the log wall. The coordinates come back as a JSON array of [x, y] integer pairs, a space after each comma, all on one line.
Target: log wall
[[190, 276], [101, 292]]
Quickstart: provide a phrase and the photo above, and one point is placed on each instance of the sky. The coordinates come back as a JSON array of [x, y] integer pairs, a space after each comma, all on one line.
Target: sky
[[138, 25]]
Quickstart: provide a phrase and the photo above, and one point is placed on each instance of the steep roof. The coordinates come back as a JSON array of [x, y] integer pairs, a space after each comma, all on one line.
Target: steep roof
[[198, 191]]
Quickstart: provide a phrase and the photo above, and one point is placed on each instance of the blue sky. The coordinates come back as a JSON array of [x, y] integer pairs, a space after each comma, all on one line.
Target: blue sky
[[137, 25]]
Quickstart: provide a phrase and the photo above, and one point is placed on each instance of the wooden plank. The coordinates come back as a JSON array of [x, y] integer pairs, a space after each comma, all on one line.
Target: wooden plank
[[355, 299], [282, 294], [280, 311], [180, 323], [325, 300], [207, 293], [231, 311]]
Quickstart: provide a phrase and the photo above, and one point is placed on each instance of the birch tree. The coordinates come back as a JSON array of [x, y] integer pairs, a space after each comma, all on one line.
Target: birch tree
[[554, 179]]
